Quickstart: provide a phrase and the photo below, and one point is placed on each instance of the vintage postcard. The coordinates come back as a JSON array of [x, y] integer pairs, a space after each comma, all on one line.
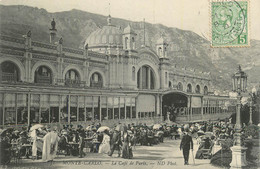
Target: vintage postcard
[[131, 84]]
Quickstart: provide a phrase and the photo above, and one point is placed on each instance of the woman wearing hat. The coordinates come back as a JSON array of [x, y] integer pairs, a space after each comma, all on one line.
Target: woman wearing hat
[[105, 145]]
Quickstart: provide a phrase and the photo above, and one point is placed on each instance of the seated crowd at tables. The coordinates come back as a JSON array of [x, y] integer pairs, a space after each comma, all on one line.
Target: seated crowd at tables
[[78, 141]]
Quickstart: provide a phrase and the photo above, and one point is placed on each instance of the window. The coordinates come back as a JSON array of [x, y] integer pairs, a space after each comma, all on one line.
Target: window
[[133, 73], [126, 42], [166, 78], [197, 90], [189, 88], [160, 51], [205, 90], [96, 80], [43, 75], [72, 77], [180, 86], [133, 41], [145, 78], [9, 72]]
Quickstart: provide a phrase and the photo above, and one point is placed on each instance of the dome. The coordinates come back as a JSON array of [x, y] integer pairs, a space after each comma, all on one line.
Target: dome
[[109, 35]]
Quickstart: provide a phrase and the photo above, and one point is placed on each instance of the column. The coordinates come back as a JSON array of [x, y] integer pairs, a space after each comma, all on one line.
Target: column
[[119, 111], [40, 109], [16, 109], [202, 107], [77, 108], [3, 101], [93, 114], [161, 107], [49, 98], [68, 108], [107, 106], [113, 110], [149, 78], [85, 110], [100, 112], [28, 108], [141, 78], [131, 111], [125, 106], [60, 100]]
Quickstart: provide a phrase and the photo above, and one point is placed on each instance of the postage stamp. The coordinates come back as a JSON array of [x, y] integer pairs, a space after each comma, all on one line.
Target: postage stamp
[[229, 23]]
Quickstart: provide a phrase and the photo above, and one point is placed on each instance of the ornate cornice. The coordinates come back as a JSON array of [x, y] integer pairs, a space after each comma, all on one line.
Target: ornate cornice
[[75, 51], [11, 39], [44, 45]]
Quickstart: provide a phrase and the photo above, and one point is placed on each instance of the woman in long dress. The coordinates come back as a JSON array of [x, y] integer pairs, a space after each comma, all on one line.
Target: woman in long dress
[[105, 145]]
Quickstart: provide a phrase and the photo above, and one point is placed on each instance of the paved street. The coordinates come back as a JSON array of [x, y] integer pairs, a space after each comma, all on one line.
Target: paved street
[[165, 155]]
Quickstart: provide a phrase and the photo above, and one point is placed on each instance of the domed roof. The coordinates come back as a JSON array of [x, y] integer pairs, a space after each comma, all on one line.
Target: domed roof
[[109, 35]]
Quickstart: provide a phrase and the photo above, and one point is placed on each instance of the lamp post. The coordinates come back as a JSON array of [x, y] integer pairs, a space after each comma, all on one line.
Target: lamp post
[[251, 104], [239, 80]]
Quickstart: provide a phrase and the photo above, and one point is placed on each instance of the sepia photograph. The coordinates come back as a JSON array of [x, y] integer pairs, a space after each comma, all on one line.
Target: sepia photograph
[[129, 84]]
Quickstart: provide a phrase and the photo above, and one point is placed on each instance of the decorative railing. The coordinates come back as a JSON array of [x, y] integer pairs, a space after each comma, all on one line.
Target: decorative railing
[[43, 79], [71, 82], [96, 84], [9, 77]]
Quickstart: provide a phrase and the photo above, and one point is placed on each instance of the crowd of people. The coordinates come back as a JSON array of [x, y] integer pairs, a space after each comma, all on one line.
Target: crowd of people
[[45, 142]]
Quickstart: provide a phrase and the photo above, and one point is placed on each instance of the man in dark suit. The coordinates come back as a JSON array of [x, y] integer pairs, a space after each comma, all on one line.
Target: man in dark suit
[[115, 143], [186, 145]]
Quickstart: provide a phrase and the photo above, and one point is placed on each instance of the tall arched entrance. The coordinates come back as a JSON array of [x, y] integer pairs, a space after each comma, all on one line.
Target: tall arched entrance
[[173, 105]]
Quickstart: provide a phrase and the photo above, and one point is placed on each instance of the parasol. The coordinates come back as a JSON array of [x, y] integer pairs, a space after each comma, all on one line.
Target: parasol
[[157, 126], [103, 128], [200, 133], [36, 126]]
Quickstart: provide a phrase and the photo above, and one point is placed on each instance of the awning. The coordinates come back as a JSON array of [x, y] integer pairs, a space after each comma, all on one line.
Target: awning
[[146, 103]]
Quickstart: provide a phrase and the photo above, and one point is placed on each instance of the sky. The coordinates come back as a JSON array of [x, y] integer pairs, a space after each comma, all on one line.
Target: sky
[[183, 14]]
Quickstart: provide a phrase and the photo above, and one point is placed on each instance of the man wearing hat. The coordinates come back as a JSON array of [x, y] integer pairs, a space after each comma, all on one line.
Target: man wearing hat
[[186, 145]]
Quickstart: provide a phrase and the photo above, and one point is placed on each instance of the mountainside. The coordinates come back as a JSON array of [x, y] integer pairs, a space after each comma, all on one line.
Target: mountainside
[[186, 48]]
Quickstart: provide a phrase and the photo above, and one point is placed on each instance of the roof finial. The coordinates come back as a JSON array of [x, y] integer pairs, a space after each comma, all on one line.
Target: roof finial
[[53, 24], [239, 68], [144, 32], [109, 20]]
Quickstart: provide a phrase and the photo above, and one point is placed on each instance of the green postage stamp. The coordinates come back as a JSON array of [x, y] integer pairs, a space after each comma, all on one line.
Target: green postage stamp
[[229, 23]]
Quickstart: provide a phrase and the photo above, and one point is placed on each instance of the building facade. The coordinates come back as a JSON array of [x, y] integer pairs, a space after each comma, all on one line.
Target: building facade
[[110, 80]]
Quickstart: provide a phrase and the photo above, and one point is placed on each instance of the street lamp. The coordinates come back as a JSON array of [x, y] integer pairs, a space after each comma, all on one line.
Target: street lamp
[[239, 86], [239, 80], [251, 104]]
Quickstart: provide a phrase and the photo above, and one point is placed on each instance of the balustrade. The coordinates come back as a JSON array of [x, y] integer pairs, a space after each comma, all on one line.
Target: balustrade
[[9, 77]]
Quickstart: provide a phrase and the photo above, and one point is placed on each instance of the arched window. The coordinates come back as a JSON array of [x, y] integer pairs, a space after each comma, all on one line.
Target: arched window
[[189, 88], [205, 90], [133, 73], [43, 75], [9, 72], [126, 42], [145, 78], [96, 80], [180, 86], [160, 51], [133, 41], [72, 77], [197, 90], [170, 84]]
